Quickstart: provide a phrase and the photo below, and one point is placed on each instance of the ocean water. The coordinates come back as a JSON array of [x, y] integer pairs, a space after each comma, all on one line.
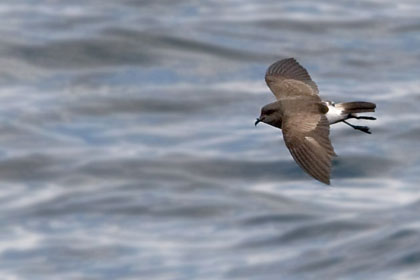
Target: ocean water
[[128, 149]]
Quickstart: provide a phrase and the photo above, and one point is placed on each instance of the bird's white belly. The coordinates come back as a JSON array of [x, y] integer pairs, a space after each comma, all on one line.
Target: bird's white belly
[[334, 114]]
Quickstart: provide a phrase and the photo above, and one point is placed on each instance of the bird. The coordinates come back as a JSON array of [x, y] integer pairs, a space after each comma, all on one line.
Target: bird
[[305, 119]]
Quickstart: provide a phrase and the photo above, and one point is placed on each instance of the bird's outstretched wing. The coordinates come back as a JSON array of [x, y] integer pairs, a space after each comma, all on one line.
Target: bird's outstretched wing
[[306, 135], [287, 78]]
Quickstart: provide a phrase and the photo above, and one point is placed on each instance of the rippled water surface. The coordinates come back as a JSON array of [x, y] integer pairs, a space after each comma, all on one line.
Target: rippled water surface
[[128, 150]]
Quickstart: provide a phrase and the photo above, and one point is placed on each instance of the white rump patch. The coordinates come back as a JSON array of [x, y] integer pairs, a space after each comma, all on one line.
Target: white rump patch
[[334, 114]]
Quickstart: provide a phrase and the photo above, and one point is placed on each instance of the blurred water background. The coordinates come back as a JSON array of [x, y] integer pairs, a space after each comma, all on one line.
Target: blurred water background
[[128, 150]]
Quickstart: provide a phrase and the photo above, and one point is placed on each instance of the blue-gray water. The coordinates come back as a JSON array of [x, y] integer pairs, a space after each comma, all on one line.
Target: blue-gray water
[[128, 151]]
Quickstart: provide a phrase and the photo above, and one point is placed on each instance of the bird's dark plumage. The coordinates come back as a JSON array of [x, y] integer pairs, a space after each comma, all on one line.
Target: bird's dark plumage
[[305, 119], [302, 116]]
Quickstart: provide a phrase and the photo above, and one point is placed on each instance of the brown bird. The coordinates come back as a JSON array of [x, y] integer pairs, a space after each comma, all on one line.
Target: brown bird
[[305, 119]]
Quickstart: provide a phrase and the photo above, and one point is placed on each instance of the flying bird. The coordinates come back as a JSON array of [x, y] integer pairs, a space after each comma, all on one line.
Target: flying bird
[[305, 119]]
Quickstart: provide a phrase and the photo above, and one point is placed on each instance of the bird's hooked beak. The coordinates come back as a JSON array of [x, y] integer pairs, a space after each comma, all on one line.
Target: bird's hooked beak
[[257, 121]]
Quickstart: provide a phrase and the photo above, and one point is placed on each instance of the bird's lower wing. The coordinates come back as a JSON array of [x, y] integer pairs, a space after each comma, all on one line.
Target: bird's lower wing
[[307, 138]]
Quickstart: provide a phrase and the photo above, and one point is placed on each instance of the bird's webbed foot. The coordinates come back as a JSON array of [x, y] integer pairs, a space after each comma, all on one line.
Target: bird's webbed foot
[[365, 129]]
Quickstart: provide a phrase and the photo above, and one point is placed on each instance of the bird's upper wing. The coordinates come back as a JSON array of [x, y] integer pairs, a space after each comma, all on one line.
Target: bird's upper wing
[[287, 78], [306, 135]]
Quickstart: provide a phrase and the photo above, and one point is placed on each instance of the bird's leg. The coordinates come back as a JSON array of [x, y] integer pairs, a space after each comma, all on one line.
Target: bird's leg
[[358, 127], [362, 117]]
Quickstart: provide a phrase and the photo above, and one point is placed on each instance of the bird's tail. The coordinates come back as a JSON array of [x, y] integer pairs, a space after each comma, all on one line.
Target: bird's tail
[[356, 107]]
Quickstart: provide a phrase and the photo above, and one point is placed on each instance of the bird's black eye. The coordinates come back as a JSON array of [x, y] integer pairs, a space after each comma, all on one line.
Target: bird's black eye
[[269, 112]]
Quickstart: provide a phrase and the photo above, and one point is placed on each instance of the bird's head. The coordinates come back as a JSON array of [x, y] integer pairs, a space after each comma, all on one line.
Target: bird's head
[[271, 114]]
